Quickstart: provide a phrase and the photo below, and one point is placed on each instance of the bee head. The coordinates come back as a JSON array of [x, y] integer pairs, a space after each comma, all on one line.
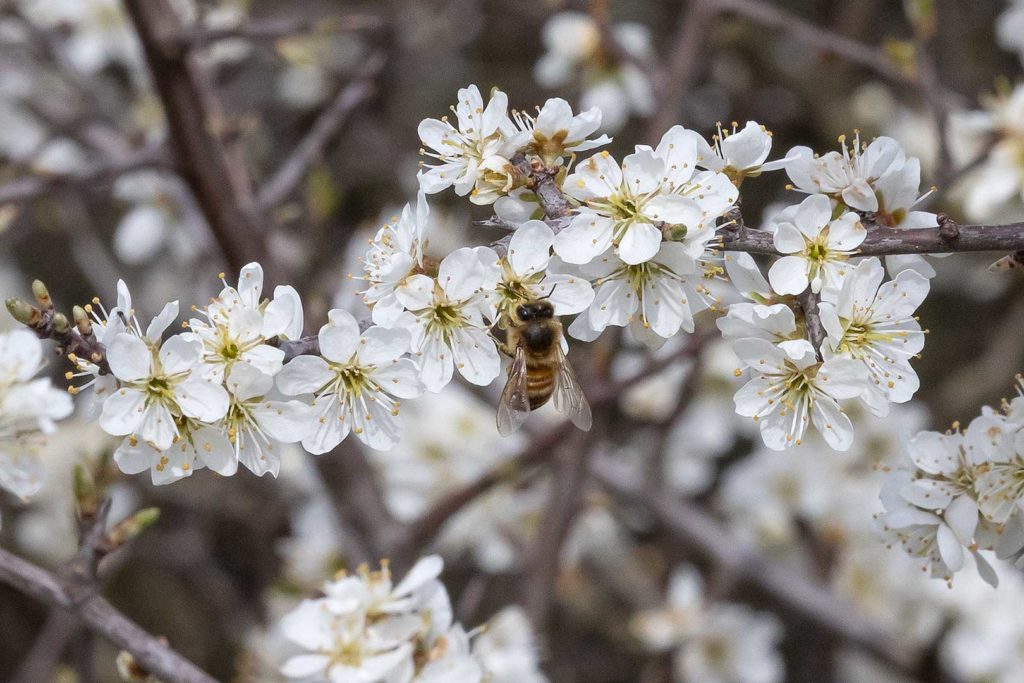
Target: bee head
[[535, 310]]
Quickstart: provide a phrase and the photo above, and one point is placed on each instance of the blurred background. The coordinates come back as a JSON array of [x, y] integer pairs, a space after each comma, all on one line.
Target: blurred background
[[90, 192]]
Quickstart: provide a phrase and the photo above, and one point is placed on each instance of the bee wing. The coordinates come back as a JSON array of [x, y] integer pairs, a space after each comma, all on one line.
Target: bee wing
[[514, 405], [569, 399]]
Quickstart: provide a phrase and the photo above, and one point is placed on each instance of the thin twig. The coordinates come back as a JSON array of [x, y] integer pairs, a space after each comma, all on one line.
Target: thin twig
[[278, 27], [44, 185], [291, 172]]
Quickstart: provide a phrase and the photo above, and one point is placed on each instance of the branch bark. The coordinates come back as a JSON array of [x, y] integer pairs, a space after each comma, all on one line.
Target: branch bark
[[214, 171], [102, 618]]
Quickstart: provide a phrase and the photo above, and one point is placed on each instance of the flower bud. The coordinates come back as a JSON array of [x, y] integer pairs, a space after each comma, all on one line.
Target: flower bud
[[61, 324], [85, 491], [127, 529], [673, 233], [82, 321], [42, 294], [24, 313]]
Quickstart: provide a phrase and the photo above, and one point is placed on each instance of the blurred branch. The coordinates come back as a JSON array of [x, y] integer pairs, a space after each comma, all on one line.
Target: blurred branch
[[812, 601], [327, 125], [570, 473], [41, 660], [101, 617], [278, 27], [75, 587], [420, 532], [214, 171], [44, 185], [684, 59]]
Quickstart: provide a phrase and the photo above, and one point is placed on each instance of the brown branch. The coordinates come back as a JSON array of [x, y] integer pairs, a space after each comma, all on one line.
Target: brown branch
[[810, 600], [214, 171], [274, 28], [890, 241], [45, 185], [100, 617], [327, 125]]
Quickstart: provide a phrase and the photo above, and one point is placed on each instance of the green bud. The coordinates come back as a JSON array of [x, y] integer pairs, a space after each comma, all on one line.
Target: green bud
[[82, 321], [61, 324], [131, 527], [24, 313], [85, 490], [673, 233], [42, 294]]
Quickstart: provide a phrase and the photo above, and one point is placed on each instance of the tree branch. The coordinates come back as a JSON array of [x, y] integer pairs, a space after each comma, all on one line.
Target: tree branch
[[216, 174], [278, 27], [890, 241]]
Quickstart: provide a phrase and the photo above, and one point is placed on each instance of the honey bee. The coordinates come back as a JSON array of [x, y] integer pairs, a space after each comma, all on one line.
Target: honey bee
[[539, 370]]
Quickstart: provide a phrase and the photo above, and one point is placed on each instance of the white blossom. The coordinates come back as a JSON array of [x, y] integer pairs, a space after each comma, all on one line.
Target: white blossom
[[527, 274], [238, 325], [355, 381], [555, 131], [395, 254], [474, 158], [656, 298], [816, 247], [874, 323], [446, 317], [628, 206], [739, 154], [157, 384], [848, 176], [791, 389]]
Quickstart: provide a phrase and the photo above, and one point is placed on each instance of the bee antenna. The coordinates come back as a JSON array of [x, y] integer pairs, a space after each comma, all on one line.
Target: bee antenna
[[548, 295]]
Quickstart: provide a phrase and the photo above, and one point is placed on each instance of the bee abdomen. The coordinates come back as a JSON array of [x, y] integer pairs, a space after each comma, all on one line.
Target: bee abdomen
[[540, 384]]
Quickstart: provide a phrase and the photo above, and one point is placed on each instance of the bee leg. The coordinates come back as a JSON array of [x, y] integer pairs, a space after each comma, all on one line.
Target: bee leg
[[502, 345]]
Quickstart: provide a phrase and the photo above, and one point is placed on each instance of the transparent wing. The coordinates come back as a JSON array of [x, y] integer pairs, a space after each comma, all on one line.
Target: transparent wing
[[569, 399], [514, 405]]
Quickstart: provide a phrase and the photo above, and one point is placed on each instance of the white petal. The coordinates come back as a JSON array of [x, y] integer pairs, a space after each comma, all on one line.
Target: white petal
[[640, 243], [202, 400], [161, 322], [122, 412], [788, 275], [400, 378], [530, 248], [950, 550], [129, 358], [303, 375], [475, 355], [339, 338], [181, 353], [283, 316], [379, 346]]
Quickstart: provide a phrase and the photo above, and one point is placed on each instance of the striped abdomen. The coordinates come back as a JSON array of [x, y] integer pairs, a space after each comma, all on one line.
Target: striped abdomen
[[540, 382]]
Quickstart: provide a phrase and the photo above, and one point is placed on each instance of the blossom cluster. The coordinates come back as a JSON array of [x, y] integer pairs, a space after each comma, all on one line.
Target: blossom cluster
[[959, 493], [366, 628]]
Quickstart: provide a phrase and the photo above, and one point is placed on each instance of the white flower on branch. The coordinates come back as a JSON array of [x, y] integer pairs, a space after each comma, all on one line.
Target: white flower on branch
[[158, 383], [356, 383], [630, 206], [791, 389], [475, 156], [555, 131], [874, 323], [196, 445], [28, 409], [817, 247], [257, 425], [932, 512], [656, 298], [446, 317], [849, 176], [395, 254], [739, 154], [238, 325]]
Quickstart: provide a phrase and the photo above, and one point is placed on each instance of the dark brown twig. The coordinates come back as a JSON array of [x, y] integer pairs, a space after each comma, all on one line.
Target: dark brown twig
[[278, 27], [214, 171]]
